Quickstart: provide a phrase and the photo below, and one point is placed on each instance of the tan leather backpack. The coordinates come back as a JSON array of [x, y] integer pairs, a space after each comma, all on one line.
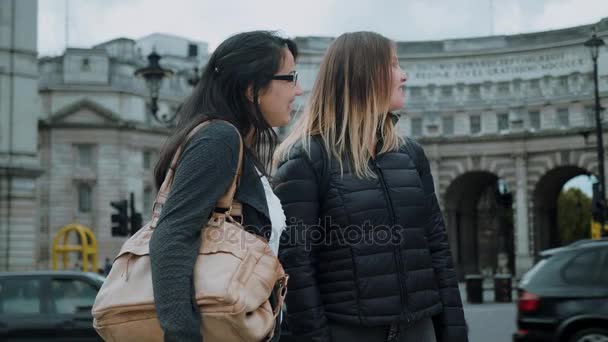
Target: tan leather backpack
[[235, 274]]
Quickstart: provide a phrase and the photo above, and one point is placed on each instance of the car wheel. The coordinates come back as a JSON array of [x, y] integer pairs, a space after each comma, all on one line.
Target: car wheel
[[591, 335]]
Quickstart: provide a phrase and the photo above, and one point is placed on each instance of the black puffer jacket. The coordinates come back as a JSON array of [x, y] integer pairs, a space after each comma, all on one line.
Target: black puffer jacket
[[365, 251]]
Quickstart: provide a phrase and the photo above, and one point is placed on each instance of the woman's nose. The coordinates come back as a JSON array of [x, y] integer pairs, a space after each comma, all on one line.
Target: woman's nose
[[299, 90]]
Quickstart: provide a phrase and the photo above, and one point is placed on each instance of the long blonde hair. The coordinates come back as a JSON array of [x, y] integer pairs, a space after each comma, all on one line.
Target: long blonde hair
[[349, 102]]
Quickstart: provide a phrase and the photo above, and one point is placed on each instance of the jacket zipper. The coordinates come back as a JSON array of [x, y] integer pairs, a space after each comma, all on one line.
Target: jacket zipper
[[399, 259]]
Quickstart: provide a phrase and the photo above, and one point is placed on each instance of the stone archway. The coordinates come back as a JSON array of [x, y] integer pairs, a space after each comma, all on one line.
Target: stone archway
[[479, 223], [546, 193]]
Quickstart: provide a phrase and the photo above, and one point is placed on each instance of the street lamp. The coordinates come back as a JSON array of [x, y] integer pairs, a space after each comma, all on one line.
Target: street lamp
[[594, 43], [153, 74]]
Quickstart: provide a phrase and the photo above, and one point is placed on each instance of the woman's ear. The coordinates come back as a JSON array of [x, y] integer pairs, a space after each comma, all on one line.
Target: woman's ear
[[249, 93]]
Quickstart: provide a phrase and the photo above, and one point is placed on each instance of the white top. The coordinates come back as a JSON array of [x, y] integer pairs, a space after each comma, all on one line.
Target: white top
[[277, 216]]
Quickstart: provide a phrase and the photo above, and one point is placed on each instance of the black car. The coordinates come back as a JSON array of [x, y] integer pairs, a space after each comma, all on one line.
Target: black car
[[564, 297], [48, 306], [549, 252]]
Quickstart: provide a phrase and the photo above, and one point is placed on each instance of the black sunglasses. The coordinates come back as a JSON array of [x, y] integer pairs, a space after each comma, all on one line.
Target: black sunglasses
[[292, 77]]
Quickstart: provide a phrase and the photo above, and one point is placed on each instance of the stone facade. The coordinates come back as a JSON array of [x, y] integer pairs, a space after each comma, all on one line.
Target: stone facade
[[498, 116], [509, 108], [98, 143]]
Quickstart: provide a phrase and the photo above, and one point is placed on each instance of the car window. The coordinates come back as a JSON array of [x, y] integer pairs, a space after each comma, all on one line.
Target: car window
[[68, 296], [528, 276], [583, 269], [546, 272], [20, 296]]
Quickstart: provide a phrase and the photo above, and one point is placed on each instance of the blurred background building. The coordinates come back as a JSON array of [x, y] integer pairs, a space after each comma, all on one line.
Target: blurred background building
[[505, 121]]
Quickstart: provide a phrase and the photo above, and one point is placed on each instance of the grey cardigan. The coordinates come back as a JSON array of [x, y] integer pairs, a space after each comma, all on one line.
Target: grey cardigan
[[202, 176]]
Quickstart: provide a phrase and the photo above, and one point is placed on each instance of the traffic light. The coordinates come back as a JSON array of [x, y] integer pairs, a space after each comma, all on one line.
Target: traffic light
[[135, 219], [124, 224], [120, 220], [136, 223]]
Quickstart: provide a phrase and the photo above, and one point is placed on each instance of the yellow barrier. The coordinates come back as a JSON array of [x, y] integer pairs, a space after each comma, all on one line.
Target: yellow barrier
[[87, 247], [596, 232]]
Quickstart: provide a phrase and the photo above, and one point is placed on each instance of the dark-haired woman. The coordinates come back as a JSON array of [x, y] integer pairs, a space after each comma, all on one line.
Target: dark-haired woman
[[250, 82]]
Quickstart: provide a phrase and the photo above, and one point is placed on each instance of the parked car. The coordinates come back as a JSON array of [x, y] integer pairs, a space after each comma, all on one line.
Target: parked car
[[48, 306], [564, 297]]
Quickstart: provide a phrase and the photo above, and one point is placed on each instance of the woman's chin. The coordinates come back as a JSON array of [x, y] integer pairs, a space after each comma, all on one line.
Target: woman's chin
[[286, 119], [281, 122]]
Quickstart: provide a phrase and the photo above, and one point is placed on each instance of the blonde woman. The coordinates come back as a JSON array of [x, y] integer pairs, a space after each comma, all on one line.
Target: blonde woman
[[366, 246]]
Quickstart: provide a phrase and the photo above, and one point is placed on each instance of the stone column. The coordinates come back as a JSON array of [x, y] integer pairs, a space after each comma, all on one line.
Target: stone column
[[523, 258], [19, 110]]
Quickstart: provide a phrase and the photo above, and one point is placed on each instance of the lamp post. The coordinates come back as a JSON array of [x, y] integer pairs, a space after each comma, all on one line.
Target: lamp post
[[594, 43], [154, 74]]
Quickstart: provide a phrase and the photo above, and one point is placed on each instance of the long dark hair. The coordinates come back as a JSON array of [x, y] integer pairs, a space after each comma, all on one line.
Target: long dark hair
[[247, 59]]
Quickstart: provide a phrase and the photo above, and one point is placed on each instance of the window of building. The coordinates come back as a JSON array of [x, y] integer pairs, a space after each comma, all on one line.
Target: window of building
[[562, 82], [147, 155], [517, 85], [589, 116], [563, 117], [446, 91], [475, 122], [85, 64], [175, 83], [415, 91], [192, 50], [534, 85], [503, 88], [534, 119], [432, 116], [516, 119], [503, 122], [416, 127], [149, 159], [148, 199], [85, 155], [85, 197], [448, 125], [474, 91], [431, 123]]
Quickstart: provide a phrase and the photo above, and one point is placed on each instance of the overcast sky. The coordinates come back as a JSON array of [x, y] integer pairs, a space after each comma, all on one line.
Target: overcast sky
[[94, 21]]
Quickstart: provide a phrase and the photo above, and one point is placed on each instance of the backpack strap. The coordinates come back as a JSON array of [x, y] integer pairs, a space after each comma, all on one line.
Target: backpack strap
[[325, 173], [411, 152]]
